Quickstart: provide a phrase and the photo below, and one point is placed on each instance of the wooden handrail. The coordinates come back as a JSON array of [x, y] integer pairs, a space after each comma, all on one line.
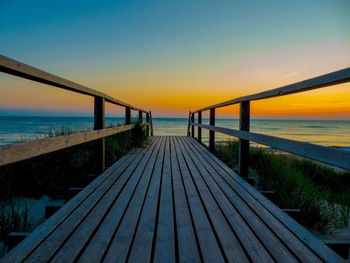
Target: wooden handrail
[[18, 152], [16, 68], [329, 155], [332, 156], [330, 79], [22, 151]]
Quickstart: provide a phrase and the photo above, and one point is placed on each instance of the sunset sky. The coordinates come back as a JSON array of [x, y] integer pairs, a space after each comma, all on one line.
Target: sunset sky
[[175, 56]]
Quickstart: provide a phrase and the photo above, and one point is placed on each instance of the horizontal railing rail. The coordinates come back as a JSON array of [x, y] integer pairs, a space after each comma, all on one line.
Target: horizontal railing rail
[[328, 155], [22, 151], [330, 79], [16, 68]]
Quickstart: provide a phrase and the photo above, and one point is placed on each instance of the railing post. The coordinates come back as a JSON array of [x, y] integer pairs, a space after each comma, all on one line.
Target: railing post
[[99, 123], [148, 123], [151, 121], [140, 116], [212, 133], [127, 115], [192, 126], [189, 124], [244, 125], [199, 128]]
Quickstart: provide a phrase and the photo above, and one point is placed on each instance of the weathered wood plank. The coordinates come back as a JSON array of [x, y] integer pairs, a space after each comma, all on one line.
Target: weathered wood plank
[[240, 211], [329, 155], [43, 231], [264, 207], [209, 247], [142, 246], [172, 201], [333, 78], [52, 243], [227, 238], [73, 246], [186, 237], [123, 237], [165, 239], [22, 151], [253, 247], [102, 238]]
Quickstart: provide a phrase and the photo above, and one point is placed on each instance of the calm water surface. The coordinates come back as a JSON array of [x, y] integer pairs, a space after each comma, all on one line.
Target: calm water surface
[[324, 132]]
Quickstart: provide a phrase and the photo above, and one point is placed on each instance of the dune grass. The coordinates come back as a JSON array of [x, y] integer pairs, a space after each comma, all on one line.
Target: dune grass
[[322, 193], [52, 174]]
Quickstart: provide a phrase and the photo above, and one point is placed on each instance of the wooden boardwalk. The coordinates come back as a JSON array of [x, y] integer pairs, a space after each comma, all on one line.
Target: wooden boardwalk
[[172, 201]]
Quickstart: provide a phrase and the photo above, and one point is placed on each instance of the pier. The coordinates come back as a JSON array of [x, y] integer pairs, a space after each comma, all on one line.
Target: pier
[[173, 200]]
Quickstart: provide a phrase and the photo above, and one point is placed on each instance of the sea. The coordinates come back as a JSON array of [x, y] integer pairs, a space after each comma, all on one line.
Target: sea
[[336, 133]]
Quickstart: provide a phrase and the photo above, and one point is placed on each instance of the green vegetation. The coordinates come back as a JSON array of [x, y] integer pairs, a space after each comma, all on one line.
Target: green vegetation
[[52, 174], [322, 193], [14, 217]]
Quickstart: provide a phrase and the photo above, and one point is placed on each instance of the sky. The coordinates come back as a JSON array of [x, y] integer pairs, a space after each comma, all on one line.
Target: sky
[[175, 56]]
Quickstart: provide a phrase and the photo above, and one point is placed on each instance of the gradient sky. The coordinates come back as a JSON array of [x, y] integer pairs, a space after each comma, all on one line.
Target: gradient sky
[[174, 56]]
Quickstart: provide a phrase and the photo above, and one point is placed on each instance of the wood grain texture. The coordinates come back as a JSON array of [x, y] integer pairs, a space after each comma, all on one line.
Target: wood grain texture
[[22, 151], [172, 201], [328, 155]]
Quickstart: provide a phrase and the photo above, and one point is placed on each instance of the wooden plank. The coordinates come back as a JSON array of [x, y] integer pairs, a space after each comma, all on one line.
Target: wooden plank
[[117, 198], [244, 125], [330, 79], [136, 190], [22, 151], [241, 216], [99, 243], [227, 238], [141, 249], [16, 68], [188, 250], [165, 237], [266, 209], [329, 155], [43, 231], [209, 246], [50, 246]]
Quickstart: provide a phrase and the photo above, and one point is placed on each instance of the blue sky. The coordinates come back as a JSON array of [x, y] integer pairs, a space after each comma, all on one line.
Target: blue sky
[[170, 47]]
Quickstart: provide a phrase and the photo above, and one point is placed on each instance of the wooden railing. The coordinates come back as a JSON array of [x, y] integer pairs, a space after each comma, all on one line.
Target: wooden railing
[[328, 155], [22, 151]]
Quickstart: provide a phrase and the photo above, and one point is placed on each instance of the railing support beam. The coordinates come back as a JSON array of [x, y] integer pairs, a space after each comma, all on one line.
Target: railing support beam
[[127, 115], [148, 122], [99, 123], [199, 128], [151, 122], [192, 127], [212, 133], [140, 116], [244, 125]]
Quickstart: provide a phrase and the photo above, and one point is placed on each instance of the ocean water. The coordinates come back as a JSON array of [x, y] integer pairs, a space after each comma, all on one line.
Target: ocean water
[[323, 132]]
